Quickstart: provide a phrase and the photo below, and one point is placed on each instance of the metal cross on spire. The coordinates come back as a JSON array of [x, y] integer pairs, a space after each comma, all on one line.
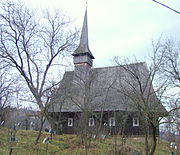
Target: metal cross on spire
[[86, 3]]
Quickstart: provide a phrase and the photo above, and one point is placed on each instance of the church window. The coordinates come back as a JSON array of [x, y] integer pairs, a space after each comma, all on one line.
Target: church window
[[91, 121], [112, 121], [135, 121], [70, 122]]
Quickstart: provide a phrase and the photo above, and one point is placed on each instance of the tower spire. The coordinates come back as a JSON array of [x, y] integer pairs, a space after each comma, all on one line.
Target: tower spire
[[83, 48]]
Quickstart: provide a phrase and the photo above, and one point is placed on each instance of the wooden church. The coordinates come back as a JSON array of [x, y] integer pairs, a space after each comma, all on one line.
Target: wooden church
[[103, 100]]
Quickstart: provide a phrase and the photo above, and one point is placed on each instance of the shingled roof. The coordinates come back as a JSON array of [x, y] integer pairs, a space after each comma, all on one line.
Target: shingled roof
[[105, 89]]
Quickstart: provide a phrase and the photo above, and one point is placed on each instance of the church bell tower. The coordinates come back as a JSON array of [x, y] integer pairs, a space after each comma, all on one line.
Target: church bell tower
[[83, 57]]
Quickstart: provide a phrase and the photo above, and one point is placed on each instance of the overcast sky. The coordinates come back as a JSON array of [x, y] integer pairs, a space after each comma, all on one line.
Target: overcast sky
[[120, 27]]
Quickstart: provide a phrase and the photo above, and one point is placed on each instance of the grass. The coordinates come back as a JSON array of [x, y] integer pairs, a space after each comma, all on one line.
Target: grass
[[69, 145]]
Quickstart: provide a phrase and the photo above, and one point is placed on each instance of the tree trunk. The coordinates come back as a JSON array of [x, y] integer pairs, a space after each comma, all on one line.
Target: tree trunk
[[115, 144], [154, 141], [10, 151], [40, 130], [100, 124], [146, 143]]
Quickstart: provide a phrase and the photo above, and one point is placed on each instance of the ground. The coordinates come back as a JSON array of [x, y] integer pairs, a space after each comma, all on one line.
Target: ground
[[70, 144]]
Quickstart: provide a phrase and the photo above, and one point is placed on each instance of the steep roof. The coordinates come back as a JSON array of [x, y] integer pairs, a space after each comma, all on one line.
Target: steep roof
[[106, 90]]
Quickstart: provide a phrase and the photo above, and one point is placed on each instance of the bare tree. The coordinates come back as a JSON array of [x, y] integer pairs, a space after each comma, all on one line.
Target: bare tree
[[84, 95], [170, 71], [34, 43], [170, 51], [163, 73], [137, 86]]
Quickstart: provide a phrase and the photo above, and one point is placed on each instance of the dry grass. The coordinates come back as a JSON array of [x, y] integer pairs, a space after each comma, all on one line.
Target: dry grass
[[70, 145]]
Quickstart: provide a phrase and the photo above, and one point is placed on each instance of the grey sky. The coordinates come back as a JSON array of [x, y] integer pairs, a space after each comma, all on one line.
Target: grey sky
[[120, 27]]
